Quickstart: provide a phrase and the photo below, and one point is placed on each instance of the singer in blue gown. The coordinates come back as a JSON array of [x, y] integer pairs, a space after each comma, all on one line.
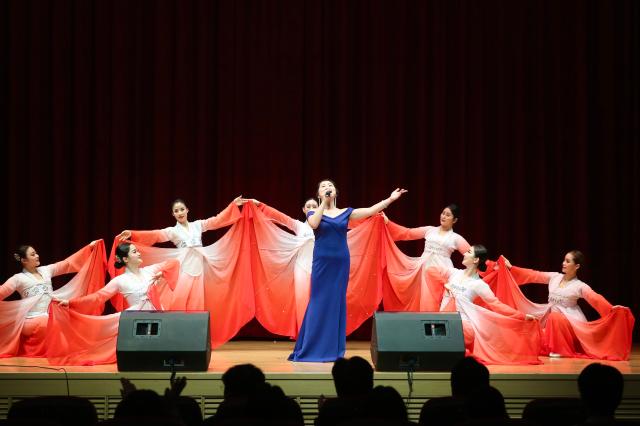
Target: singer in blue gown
[[323, 333], [322, 336]]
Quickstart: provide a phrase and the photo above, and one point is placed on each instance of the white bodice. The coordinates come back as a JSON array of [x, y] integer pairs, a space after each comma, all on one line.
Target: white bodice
[[465, 288], [28, 285], [183, 237], [565, 299], [134, 288], [439, 247], [304, 230]]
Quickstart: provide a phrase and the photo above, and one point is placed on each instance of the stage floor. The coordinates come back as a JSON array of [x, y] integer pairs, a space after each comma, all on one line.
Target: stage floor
[[23, 377], [271, 357]]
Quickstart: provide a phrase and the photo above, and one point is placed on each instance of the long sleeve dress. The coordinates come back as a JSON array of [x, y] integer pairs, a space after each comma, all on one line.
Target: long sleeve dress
[[216, 278], [495, 333], [78, 338], [565, 329], [409, 287], [23, 323]]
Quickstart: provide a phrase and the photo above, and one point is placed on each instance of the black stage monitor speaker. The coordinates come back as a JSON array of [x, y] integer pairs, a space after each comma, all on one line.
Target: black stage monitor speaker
[[163, 341], [408, 341]]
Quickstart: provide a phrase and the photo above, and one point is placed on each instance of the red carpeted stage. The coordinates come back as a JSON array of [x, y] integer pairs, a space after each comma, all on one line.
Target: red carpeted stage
[[23, 377]]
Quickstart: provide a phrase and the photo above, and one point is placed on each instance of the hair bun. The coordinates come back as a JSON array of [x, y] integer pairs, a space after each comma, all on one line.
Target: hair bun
[[16, 256]]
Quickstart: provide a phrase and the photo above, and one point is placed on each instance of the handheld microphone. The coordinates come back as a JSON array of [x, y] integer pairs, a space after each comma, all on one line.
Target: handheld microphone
[[327, 194]]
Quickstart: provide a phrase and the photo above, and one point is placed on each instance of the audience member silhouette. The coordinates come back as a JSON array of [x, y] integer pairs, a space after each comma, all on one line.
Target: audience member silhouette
[[600, 389], [188, 410], [384, 403], [142, 403], [443, 411], [467, 377], [62, 410], [553, 411], [486, 404], [248, 399], [240, 382], [142, 407], [269, 405], [353, 380]]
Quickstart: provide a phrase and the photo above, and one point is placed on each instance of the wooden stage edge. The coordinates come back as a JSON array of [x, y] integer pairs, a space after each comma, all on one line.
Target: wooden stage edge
[[24, 377]]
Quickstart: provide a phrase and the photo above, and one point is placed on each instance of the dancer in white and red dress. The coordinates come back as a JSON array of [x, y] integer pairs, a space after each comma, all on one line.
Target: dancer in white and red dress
[[566, 331], [23, 323], [494, 332], [77, 338], [409, 287], [216, 278]]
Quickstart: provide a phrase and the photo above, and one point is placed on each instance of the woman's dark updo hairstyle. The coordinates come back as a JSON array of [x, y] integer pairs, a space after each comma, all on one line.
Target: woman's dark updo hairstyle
[[482, 254], [578, 257], [21, 252], [176, 201], [122, 251], [455, 210]]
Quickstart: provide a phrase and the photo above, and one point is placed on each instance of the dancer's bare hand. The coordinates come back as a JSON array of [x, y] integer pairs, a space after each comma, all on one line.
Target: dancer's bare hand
[[397, 193], [61, 302], [124, 235]]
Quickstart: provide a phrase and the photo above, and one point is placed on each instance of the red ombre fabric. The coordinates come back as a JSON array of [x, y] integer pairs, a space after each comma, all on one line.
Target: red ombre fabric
[[216, 278], [494, 333], [281, 267], [189, 293], [281, 270], [364, 293], [22, 336], [565, 331], [75, 338], [499, 339]]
